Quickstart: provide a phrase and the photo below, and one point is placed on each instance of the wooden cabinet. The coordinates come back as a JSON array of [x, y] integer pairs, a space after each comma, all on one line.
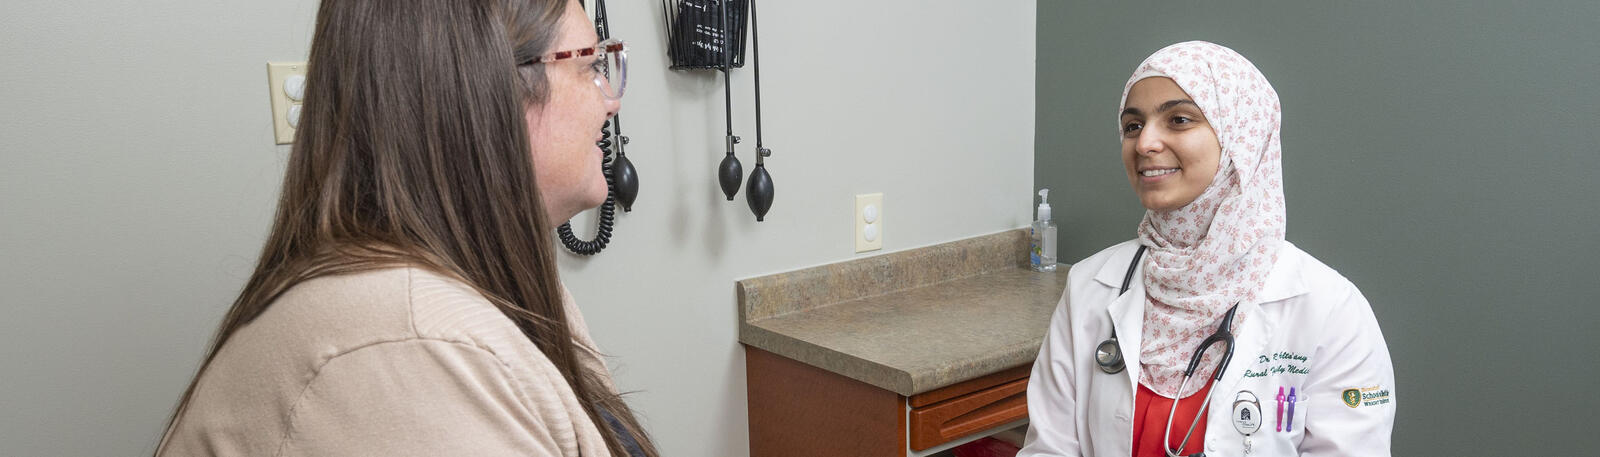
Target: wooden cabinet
[[799, 410], [842, 360], [949, 413]]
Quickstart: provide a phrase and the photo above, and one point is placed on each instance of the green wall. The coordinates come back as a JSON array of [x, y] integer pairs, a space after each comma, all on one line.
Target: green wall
[[1442, 155]]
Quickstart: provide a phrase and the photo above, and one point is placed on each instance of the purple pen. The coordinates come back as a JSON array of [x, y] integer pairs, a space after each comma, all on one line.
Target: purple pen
[[1290, 426], [1280, 408]]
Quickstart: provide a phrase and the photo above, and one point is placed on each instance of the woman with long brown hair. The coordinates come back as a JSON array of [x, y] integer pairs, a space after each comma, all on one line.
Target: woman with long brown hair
[[407, 300]]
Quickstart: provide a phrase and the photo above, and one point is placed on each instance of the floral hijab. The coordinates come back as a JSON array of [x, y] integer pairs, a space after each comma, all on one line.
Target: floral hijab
[[1217, 250]]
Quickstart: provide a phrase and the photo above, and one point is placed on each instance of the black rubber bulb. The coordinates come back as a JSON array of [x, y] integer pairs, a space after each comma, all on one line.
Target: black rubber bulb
[[759, 192], [729, 174], [626, 178]]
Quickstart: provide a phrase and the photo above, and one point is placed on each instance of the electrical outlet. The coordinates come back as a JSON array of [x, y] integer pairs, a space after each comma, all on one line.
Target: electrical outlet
[[286, 83], [869, 222]]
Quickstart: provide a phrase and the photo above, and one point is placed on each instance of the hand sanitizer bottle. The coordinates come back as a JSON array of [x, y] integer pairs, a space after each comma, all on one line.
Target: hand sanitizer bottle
[[1042, 254]]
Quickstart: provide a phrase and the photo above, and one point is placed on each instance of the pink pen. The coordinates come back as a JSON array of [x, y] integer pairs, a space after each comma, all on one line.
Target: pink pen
[[1280, 408], [1290, 426]]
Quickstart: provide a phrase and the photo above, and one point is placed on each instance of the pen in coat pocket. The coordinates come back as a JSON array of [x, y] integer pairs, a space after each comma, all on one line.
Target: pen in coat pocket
[[1290, 426], [1279, 423]]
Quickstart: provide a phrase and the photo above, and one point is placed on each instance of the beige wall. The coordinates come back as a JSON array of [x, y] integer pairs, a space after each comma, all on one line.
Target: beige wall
[[139, 176]]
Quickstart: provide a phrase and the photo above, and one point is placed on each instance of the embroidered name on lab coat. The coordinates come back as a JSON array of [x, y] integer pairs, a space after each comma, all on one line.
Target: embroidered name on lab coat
[[1281, 362]]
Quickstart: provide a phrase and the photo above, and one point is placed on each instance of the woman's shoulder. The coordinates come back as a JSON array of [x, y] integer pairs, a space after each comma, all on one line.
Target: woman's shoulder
[[445, 308], [412, 307], [358, 329], [1118, 254], [1312, 275], [323, 318], [337, 314], [1323, 293], [1123, 249]]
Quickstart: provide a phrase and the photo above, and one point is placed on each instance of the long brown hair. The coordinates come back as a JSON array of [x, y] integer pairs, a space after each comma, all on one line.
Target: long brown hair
[[413, 149]]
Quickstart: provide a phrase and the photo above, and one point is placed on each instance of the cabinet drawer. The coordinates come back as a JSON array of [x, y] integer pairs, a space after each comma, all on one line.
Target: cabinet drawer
[[956, 416]]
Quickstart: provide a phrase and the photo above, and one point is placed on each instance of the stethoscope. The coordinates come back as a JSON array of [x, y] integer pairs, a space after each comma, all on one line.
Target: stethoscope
[[1108, 355]]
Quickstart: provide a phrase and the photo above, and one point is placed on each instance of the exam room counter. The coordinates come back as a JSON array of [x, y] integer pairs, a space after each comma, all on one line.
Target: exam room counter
[[902, 354]]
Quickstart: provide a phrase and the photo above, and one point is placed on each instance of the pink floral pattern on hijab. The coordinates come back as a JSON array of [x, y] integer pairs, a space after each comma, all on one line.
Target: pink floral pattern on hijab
[[1217, 250]]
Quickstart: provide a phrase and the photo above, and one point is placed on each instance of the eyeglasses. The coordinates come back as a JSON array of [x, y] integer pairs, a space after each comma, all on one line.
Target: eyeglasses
[[611, 68]]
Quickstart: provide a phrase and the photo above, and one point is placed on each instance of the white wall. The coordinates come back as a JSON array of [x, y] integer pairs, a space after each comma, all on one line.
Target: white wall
[[139, 177]]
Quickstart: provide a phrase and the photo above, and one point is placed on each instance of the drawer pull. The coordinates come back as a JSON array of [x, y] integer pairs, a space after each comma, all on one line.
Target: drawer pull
[[940, 423]]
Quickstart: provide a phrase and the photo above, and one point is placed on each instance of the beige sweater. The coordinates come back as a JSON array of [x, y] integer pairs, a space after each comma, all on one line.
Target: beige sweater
[[392, 362]]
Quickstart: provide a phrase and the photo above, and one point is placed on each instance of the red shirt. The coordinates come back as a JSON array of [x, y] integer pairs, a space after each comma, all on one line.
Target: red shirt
[[1150, 422]]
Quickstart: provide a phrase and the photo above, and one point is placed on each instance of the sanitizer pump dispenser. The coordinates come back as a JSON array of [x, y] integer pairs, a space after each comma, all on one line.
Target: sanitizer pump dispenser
[[1042, 253]]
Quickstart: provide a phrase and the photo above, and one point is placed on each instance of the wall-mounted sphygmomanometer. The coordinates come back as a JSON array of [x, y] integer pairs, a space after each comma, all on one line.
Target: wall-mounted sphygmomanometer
[[622, 180], [709, 35]]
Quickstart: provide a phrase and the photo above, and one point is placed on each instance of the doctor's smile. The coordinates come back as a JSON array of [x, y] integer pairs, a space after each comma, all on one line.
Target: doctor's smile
[[831, 229], [1210, 273], [1156, 172], [1168, 147]]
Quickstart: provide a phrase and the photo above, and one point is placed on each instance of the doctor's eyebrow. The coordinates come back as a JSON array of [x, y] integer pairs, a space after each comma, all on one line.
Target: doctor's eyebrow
[[1170, 104]]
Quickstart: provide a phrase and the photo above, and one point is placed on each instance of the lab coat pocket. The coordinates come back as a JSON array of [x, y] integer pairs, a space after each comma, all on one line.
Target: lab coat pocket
[[1258, 421]]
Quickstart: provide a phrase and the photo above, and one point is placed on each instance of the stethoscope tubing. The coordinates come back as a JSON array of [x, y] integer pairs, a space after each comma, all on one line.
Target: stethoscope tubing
[[1224, 336], [1108, 355], [1112, 362]]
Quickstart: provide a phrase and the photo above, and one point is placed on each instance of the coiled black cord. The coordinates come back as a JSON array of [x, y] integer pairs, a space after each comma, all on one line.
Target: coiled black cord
[[608, 210]]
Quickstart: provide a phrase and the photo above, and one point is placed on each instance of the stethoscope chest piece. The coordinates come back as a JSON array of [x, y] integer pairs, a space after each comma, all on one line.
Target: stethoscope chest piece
[[1109, 356]]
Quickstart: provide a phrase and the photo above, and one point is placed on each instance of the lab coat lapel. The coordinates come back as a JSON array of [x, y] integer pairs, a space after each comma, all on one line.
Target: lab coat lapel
[[1251, 339], [1127, 317]]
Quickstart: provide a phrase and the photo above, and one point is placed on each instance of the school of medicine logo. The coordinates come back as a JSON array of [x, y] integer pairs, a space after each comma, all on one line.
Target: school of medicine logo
[[1352, 397]]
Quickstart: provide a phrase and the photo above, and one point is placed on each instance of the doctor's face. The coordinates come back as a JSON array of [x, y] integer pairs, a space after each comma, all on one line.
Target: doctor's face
[[1168, 148]]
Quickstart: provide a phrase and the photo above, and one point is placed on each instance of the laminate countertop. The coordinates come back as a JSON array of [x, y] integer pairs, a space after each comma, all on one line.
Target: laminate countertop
[[912, 321]]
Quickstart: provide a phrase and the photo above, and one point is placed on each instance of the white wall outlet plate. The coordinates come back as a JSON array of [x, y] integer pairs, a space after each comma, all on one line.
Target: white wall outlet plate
[[286, 83], [869, 222]]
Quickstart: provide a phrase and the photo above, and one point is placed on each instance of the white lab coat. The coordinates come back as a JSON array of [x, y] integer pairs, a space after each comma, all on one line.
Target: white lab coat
[[1306, 310]]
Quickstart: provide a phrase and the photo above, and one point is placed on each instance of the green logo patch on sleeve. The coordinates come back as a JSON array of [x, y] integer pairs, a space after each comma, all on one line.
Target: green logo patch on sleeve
[[1352, 397], [1365, 396]]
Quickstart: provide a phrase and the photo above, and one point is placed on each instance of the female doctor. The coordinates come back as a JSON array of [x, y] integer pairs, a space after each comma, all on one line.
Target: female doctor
[[1267, 351]]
